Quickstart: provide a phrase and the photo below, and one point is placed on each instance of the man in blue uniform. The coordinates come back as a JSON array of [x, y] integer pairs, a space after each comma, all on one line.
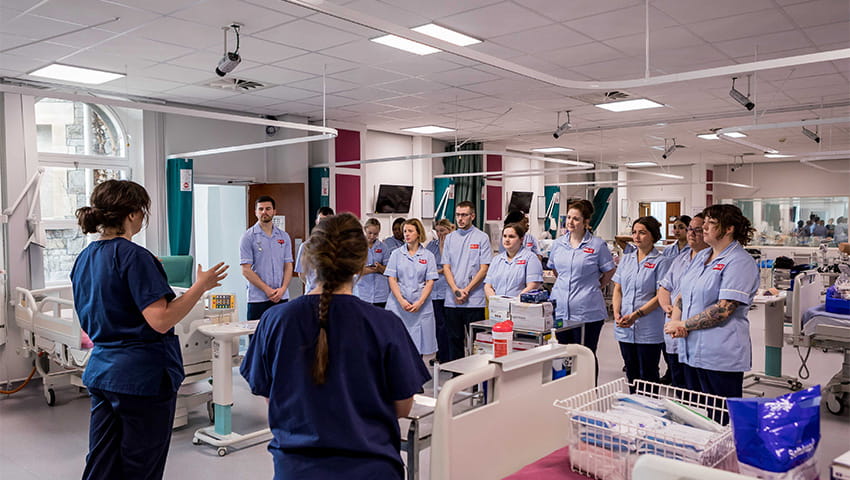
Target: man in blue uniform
[[466, 258], [265, 253]]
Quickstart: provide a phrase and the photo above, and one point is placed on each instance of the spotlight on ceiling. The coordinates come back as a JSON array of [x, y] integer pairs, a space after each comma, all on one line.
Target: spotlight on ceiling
[[813, 135], [740, 97], [230, 59], [564, 126], [670, 148]]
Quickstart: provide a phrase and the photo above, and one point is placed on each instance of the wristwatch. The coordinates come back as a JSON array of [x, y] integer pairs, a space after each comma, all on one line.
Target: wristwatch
[[458, 293]]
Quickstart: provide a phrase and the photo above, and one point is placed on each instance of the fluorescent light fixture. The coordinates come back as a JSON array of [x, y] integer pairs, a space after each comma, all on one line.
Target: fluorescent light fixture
[[69, 73], [447, 35], [732, 184], [628, 105], [640, 164], [405, 44], [713, 136], [428, 129], [590, 182], [551, 150], [776, 155], [657, 147]]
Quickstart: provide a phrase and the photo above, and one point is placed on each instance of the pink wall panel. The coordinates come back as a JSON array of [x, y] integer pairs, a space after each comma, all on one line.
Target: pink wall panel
[[348, 194], [494, 202], [494, 164], [347, 145]]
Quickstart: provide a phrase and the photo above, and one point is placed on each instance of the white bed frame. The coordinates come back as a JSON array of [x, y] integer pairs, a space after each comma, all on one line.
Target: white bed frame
[[806, 294], [518, 425]]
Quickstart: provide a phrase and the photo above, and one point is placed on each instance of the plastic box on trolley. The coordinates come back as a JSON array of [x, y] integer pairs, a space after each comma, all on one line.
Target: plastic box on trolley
[[602, 449]]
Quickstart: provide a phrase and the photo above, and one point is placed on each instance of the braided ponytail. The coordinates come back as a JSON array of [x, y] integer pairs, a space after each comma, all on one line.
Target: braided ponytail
[[336, 251]]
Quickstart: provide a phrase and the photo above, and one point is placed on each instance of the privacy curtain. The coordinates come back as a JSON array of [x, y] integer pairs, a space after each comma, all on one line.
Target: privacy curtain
[[467, 188], [178, 172]]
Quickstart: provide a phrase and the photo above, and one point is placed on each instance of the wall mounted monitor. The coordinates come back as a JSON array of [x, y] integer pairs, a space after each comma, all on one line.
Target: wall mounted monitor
[[520, 201], [393, 199]]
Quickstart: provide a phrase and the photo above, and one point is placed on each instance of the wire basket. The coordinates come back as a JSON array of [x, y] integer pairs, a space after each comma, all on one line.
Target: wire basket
[[604, 451]]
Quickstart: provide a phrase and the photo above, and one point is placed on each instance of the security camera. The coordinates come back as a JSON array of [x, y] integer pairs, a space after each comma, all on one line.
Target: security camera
[[669, 151], [733, 168], [227, 63], [740, 97], [812, 135], [563, 128]]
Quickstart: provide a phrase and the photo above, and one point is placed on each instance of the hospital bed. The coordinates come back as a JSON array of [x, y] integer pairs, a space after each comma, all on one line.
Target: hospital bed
[[518, 423], [813, 327], [51, 333]]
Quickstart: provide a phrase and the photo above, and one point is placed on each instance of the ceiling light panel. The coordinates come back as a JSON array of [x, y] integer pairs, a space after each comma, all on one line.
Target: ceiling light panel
[[629, 105], [640, 164], [69, 73], [551, 149], [428, 129], [405, 44], [447, 35]]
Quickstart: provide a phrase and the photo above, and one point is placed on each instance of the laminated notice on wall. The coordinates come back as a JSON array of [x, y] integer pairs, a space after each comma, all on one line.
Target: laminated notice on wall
[[185, 179], [326, 186], [279, 221]]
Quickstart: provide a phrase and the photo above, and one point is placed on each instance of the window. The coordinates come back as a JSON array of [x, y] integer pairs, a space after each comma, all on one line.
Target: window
[[80, 145], [777, 220]]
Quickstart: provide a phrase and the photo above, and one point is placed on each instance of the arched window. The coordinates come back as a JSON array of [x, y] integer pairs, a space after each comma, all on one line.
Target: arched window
[[79, 146]]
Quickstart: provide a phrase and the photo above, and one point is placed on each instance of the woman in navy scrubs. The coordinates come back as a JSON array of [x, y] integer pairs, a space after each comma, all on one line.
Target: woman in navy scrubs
[[412, 271], [371, 283], [517, 269], [715, 295], [125, 305], [337, 371], [583, 266], [639, 322], [438, 294]]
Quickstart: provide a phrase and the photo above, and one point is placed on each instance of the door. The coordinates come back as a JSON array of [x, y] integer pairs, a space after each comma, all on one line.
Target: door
[[644, 210], [673, 212]]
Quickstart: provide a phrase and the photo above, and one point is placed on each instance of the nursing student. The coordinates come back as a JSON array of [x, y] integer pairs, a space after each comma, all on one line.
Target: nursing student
[[371, 285], [528, 241], [583, 266], [337, 371], [305, 274], [126, 306], [412, 270], [517, 269], [680, 232], [668, 289], [438, 294], [397, 238], [715, 295], [639, 322]]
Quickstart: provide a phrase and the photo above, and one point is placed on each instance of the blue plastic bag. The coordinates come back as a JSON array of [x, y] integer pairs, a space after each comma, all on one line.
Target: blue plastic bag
[[777, 437]]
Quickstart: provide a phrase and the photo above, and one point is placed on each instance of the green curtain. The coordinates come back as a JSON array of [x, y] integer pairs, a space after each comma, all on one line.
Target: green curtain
[[178, 173], [467, 188]]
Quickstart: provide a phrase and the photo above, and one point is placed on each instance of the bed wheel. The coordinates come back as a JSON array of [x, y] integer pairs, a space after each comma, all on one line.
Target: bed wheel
[[211, 411], [50, 397], [222, 451], [795, 385], [196, 441], [836, 403]]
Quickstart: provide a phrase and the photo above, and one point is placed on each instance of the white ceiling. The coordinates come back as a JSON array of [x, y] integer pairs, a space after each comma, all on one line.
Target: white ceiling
[[168, 49]]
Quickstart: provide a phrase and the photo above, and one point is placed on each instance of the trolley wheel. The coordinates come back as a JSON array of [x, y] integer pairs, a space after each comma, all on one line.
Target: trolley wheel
[[836, 403], [196, 441], [50, 397], [756, 379], [211, 411], [795, 385], [222, 451]]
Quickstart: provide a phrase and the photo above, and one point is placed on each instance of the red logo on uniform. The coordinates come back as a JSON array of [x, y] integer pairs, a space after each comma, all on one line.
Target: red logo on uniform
[[473, 246], [588, 250], [529, 244], [281, 242], [719, 266], [423, 261], [378, 250], [649, 265], [521, 262]]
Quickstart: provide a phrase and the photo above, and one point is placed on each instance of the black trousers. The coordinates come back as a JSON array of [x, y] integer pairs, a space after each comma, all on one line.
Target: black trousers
[[676, 369], [257, 309], [442, 331], [591, 335], [129, 435], [457, 323], [641, 360]]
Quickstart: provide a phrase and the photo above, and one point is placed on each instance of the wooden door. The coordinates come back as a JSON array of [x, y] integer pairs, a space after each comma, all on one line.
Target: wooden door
[[644, 210], [289, 202], [673, 212]]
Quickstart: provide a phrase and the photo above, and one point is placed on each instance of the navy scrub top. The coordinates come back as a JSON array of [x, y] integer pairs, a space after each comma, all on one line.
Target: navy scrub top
[[113, 281], [372, 363]]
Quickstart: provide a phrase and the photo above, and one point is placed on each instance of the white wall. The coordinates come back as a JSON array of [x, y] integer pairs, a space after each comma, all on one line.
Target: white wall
[[784, 179], [402, 172]]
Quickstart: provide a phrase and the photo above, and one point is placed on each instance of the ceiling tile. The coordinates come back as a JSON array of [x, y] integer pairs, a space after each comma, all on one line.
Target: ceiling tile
[[19, 63], [33, 27], [413, 85], [659, 40], [287, 93], [317, 64], [90, 12], [365, 52], [764, 44], [742, 26], [159, 6], [581, 55], [461, 77], [437, 9], [307, 35], [166, 71], [627, 21], [98, 59], [419, 66], [220, 13], [368, 76], [263, 51], [194, 91], [344, 25], [147, 84], [131, 47], [543, 39], [368, 94], [819, 12], [328, 85], [46, 51], [826, 35], [271, 74], [331, 101], [206, 60], [280, 6], [577, 8], [488, 22], [186, 34], [686, 12]]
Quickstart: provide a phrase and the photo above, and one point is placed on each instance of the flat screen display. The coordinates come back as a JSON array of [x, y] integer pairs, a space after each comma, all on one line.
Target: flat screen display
[[520, 201], [393, 199]]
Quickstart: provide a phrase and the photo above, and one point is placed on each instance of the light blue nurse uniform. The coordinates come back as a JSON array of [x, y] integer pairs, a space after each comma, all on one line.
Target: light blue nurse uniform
[[528, 242], [671, 282], [391, 244], [373, 287], [732, 275], [310, 280], [639, 283], [673, 250], [465, 251], [439, 291], [411, 272], [509, 277], [577, 291]]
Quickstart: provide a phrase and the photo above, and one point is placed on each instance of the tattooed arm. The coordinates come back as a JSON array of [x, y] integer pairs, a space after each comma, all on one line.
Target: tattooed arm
[[712, 316]]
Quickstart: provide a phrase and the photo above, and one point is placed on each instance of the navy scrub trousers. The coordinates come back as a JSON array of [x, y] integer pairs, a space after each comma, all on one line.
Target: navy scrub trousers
[[129, 435]]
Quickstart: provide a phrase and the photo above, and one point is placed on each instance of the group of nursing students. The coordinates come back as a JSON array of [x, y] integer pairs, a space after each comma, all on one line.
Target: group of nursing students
[[337, 371]]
